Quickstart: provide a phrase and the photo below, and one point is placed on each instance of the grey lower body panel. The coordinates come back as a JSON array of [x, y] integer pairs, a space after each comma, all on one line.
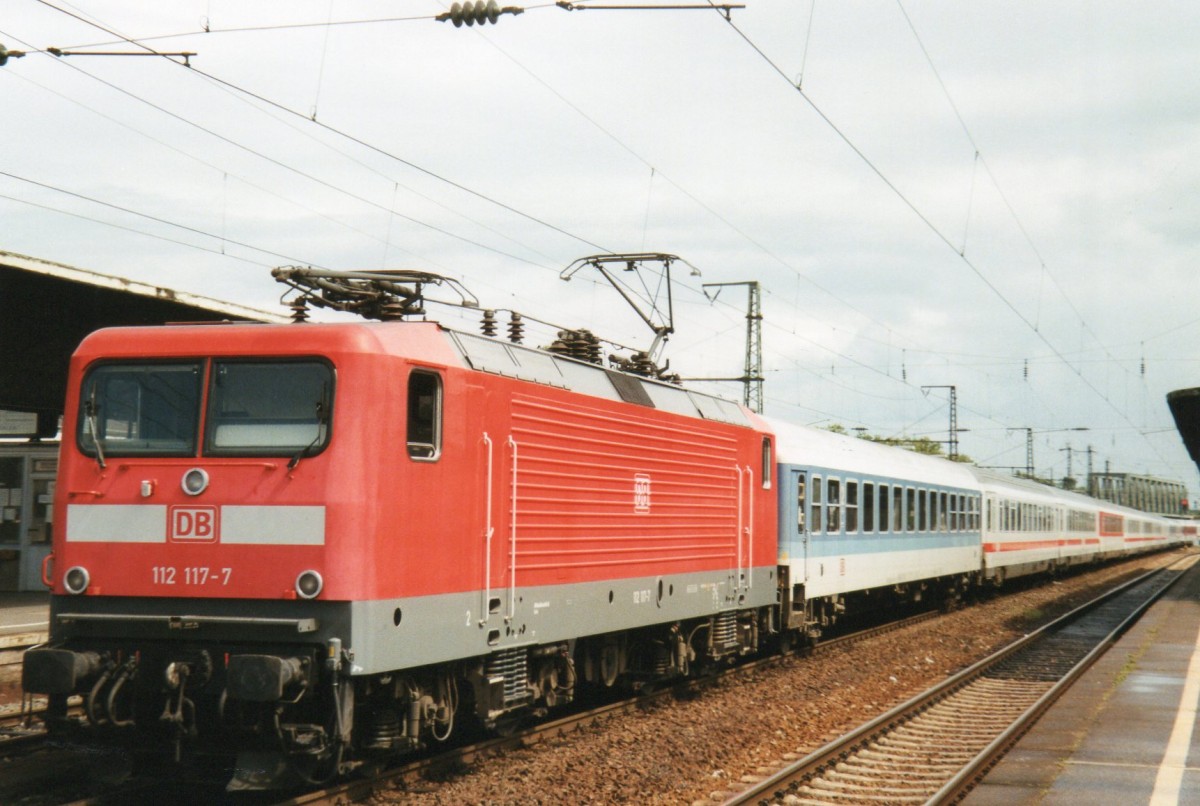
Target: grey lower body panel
[[402, 633]]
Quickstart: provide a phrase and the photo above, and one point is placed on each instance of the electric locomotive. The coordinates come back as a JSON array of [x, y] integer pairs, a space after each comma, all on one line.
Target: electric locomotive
[[314, 543]]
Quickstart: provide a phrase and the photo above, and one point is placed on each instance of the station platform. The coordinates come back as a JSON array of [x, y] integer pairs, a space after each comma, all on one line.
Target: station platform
[[24, 622], [1125, 732], [22, 613]]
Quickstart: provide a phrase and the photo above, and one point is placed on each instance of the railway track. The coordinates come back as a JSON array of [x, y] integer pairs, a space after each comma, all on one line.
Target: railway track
[[938, 745], [18, 734]]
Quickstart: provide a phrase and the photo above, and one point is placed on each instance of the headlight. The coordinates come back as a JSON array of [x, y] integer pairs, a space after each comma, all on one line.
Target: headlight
[[76, 579], [195, 481], [309, 584]]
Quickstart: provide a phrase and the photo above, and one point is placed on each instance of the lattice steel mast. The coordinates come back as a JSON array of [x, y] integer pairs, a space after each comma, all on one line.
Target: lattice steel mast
[[752, 375]]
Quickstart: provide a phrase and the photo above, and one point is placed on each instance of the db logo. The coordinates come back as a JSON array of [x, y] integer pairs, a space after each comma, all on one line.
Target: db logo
[[641, 492], [193, 523]]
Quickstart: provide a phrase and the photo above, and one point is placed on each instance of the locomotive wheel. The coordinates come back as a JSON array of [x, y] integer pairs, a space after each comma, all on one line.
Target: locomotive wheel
[[610, 664], [507, 726]]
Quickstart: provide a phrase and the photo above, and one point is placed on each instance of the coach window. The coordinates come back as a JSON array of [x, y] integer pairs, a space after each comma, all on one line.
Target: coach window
[[424, 415], [942, 525], [817, 502], [834, 497], [897, 509], [868, 507], [910, 509], [923, 499], [851, 506], [885, 497]]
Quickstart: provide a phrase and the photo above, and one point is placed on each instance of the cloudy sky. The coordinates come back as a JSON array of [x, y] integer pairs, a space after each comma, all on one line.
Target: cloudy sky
[[999, 196]]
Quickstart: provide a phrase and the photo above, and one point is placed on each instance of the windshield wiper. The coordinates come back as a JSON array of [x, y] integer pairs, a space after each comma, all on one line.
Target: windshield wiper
[[89, 411], [322, 419]]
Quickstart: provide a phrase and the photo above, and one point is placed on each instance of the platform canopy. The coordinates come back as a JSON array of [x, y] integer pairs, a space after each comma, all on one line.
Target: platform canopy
[[1185, 407], [47, 308]]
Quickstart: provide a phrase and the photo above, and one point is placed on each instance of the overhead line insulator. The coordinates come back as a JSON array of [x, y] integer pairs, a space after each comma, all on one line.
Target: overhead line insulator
[[480, 11], [6, 54]]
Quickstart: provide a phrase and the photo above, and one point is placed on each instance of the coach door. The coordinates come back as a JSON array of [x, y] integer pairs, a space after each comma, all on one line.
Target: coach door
[[798, 541]]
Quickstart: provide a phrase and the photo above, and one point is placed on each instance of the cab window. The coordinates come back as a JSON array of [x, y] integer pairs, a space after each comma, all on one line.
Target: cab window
[[767, 463], [424, 415]]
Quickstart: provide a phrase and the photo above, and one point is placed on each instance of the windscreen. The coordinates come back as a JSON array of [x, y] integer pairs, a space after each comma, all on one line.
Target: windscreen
[[268, 407], [140, 409]]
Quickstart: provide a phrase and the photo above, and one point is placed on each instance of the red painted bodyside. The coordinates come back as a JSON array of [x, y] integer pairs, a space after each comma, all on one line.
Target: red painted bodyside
[[603, 489]]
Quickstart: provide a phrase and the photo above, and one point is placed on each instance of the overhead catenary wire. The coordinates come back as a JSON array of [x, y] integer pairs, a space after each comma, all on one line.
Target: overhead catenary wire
[[936, 230], [979, 160]]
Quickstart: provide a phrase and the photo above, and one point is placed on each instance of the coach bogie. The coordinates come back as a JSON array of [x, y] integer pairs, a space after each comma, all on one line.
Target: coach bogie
[[827, 610]]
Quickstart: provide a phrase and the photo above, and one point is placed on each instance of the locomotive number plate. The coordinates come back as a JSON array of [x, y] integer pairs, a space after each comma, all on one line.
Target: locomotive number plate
[[190, 575]]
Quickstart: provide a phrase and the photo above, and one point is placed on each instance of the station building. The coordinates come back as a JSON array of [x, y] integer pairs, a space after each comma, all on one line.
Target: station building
[[1147, 493], [45, 311]]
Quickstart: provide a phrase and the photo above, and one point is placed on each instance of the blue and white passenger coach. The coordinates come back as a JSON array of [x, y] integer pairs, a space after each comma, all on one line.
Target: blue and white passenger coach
[[860, 518]]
